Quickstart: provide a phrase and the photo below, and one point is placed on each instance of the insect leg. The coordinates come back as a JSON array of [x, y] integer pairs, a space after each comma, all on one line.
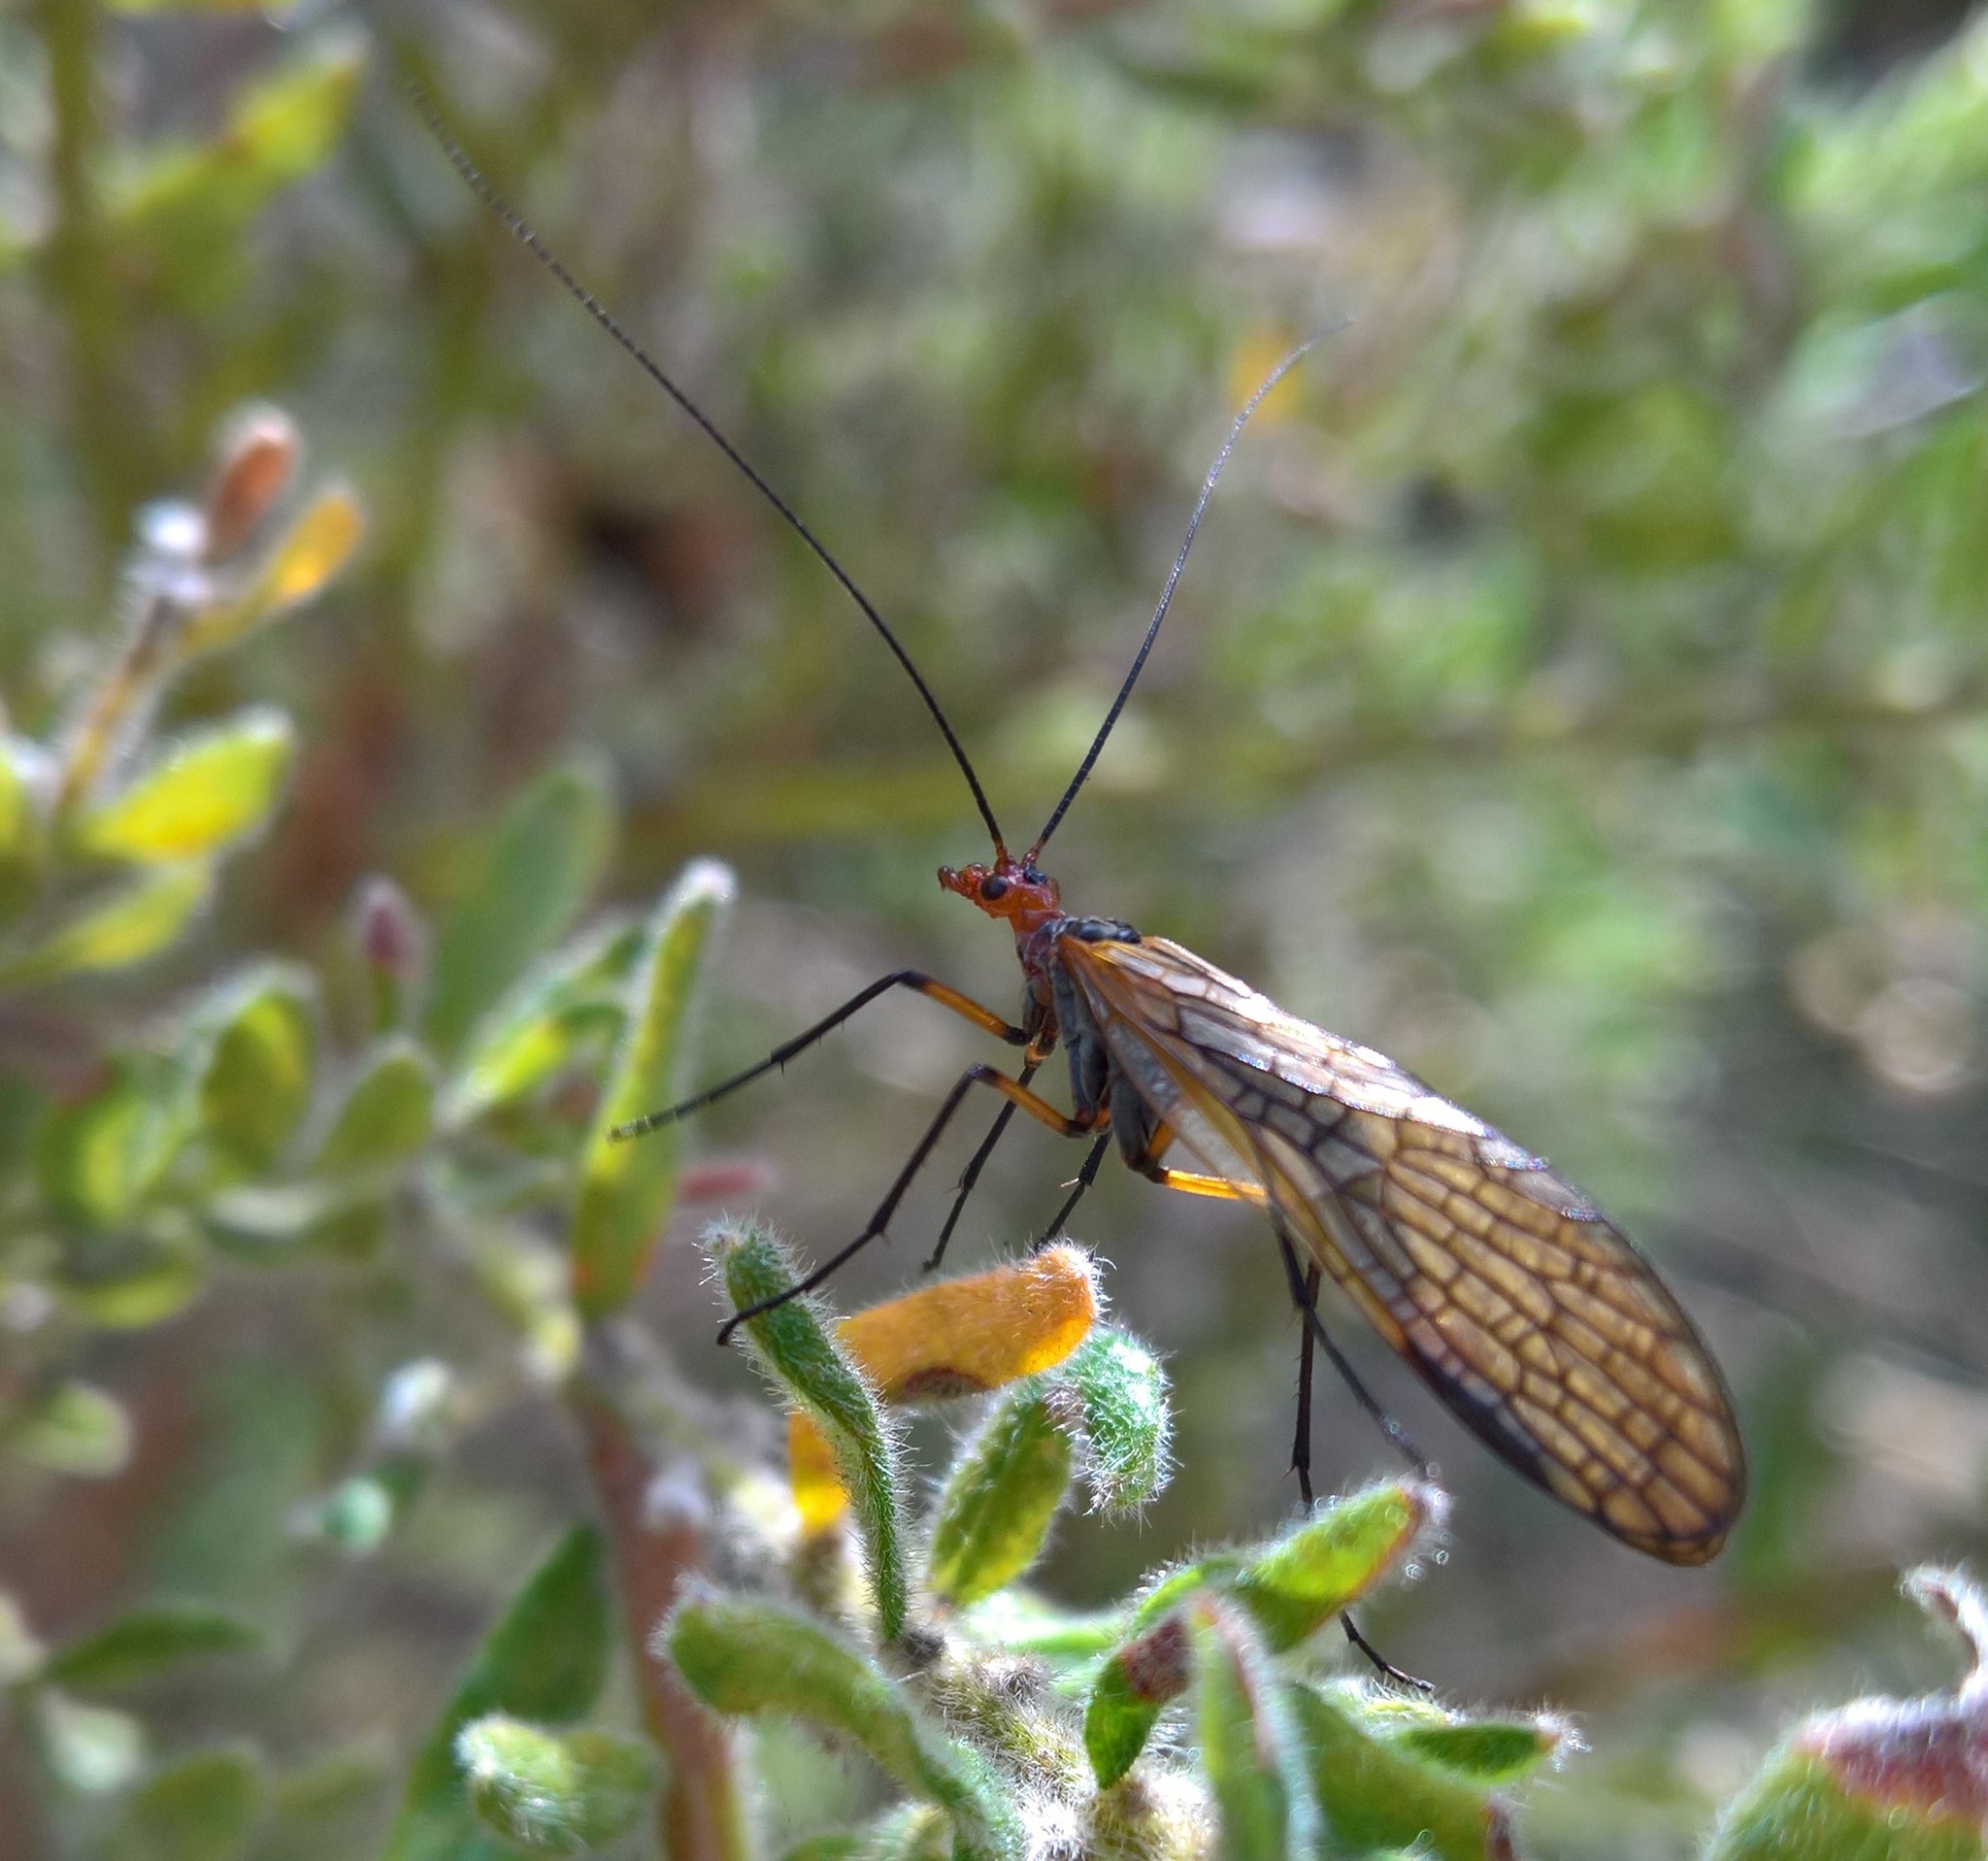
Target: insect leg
[[981, 1017], [1307, 1351], [1301, 1465], [1386, 1668], [1085, 1177], [1220, 1188], [971, 1175], [1013, 1090], [1307, 1305]]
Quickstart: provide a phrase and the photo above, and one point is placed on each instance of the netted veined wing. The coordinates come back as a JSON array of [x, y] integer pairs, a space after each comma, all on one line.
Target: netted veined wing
[[1520, 1304]]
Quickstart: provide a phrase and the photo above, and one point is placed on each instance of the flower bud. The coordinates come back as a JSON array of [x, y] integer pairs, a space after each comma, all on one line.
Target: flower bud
[[258, 454], [392, 943]]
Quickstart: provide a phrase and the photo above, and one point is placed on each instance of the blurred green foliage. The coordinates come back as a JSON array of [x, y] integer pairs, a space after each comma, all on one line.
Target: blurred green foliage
[[1578, 691]]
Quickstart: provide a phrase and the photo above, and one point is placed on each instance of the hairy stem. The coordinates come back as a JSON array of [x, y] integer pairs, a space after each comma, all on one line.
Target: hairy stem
[[656, 1551]]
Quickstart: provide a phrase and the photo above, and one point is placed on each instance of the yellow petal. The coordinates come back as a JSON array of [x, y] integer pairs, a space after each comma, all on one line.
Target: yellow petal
[[819, 1495], [957, 1338], [961, 1337]]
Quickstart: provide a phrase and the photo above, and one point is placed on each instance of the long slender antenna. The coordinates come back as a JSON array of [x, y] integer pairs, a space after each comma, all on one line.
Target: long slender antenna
[[515, 222], [1152, 632]]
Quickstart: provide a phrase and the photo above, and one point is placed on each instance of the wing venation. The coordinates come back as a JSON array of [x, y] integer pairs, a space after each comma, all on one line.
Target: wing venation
[[1527, 1312]]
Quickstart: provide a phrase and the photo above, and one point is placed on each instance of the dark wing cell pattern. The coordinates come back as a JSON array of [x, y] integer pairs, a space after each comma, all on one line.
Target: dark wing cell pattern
[[1521, 1306]]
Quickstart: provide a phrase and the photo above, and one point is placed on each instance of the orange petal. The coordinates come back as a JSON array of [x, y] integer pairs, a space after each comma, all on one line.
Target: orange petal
[[957, 1338], [819, 1494], [961, 1337]]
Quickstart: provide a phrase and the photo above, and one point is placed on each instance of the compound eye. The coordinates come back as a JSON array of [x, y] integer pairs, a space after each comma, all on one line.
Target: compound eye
[[993, 887]]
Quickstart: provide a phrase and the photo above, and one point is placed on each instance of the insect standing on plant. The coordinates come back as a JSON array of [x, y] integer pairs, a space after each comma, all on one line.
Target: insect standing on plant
[[1520, 1306]]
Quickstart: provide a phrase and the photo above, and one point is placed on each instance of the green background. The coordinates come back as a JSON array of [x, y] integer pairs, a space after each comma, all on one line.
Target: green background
[[1579, 691]]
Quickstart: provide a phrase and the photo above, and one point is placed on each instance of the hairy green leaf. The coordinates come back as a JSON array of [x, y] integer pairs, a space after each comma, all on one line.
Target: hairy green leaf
[[1112, 1396], [554, 1792], [744, 1657], [1248, 1747], [387, 1114], [999, 1499], [136, 921], [627, 1187], [208, 790], [801, 1356], [1373, 1793], [74, 1428], [575, 998], [255, 1042], [544, 1660], [542, 865]]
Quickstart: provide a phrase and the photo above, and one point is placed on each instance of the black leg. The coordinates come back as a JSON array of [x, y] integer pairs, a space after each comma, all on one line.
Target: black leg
[[912, 978], [1308, 1350], [971, 1175], [987, 1076], [1386, 1422], [1386, 1668], [1085, 1177], [1301, 1465]]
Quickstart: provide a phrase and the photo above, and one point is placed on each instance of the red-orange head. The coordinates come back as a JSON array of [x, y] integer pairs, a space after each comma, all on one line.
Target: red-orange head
[[1009, 889]]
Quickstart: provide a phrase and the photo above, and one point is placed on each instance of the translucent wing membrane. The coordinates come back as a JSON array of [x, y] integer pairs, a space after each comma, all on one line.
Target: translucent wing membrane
[[1521, 1306]]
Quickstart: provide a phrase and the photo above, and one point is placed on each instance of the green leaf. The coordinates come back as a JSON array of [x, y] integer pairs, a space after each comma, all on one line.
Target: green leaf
[[1132, 1688], [202, 1808], [144, 1284], [1879, 1780], [74, 1428], [543, 865], [743, 1657], [23, 834], [804, 1361], [1251, 1753], [1302, 1579], [387, 1116], [554, 1792], [1024, 1623], [1112, 1396], [191, 199], [544, 1660], [1310, 1574], [90, 1750], [627, 1187], [139, 920], [255, 1082], [999, 1499], [208, 790], [577, 997], [1491, 1752], [138, 1645], [97, 1161], [1797, 1810], [1375, 1794]]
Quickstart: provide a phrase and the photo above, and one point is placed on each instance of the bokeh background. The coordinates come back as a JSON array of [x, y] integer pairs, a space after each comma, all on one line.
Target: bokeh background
[[1579, 691]]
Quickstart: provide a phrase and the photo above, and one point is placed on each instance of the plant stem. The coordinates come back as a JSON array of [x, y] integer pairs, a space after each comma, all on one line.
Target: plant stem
[[656, 1553], [78, 276], [155, 631]]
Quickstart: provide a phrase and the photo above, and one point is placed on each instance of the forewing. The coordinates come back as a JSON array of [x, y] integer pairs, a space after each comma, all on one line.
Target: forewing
[[1521, 1306]]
